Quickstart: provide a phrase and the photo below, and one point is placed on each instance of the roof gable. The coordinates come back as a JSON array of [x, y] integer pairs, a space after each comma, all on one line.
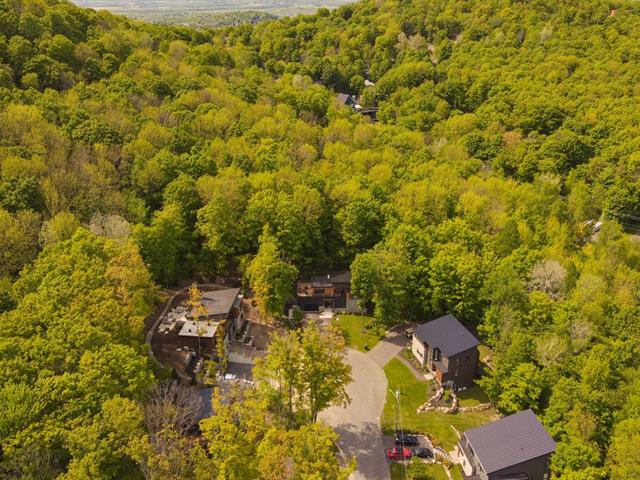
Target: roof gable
[[220, 302], [510, 441], [447, 334], [344, 99]]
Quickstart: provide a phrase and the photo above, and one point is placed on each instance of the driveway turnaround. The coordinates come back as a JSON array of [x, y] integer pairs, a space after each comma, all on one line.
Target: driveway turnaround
[[359, 424], [387, 348]]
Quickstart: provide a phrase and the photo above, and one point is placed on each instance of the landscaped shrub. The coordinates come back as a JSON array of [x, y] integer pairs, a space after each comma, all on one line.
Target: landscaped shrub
[[447, 396]]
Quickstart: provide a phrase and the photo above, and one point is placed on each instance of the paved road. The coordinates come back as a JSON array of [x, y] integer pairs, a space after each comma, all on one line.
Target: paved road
[[387, 348], [359, 423]]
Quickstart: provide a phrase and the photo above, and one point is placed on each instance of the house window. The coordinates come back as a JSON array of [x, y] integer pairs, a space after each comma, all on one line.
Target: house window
[[471, 452], [456, 373], [457, 360], [318, 291], [436, 355], [468, 359]]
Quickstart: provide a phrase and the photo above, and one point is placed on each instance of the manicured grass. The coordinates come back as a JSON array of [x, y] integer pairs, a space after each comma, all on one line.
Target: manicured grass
[[456, 472], [436, 472], [472, 396], [351, 327], [396, 471], [413, 394]]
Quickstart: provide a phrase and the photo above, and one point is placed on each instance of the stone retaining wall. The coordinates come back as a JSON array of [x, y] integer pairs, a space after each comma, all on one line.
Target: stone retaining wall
[[430, 406]]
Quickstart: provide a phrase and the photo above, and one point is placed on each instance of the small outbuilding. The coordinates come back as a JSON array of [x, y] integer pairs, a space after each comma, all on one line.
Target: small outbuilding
[[346, 100]]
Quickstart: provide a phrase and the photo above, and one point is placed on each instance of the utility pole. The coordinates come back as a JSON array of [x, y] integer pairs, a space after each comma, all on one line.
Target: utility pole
[[396, 395]]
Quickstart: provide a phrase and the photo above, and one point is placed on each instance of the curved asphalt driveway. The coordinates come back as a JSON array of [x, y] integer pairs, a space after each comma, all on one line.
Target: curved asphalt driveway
[[359, 423]]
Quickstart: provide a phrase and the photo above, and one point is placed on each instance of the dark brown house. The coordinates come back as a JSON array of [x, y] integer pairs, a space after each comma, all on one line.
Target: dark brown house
[[449, 350], [516, 447], [327, 292]]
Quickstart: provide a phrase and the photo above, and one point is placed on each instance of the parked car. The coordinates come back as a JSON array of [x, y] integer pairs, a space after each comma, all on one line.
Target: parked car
[[398, 453], [406, 440], [421, 452]]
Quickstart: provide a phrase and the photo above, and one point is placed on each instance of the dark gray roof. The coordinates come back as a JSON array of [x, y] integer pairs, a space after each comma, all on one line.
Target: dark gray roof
[[220, 302], [344, 98], [341, 277], [447, 334], [440, 366], [332, 278], [510, 441]]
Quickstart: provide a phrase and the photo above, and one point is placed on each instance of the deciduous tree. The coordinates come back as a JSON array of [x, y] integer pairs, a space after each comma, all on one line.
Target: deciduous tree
[[270, 277]]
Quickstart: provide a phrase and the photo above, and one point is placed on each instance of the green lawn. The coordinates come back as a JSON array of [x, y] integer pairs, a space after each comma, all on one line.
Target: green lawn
[[396, 471], [472, 396], [456, 472], [351, 327], [436, 471], [436, 425]]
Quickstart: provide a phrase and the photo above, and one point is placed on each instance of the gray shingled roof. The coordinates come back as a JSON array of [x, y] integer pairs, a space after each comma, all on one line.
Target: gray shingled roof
[[447, 334], [343, 98], [332, 278], [510, 441], [220, 302], [341, 277]]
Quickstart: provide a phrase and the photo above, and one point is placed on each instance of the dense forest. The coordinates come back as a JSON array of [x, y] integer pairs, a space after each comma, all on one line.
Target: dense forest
[[133, 155]]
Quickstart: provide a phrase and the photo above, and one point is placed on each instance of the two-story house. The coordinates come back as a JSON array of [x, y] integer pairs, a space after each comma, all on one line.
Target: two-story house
[[327, 292], [449, 350], [516, 447], [223, 310]]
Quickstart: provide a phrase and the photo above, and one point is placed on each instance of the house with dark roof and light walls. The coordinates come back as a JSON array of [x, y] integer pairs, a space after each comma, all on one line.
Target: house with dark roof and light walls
[[223, 310], [449, 350], [516, 447]]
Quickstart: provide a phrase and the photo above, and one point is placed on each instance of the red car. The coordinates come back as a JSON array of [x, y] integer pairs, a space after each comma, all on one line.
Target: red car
[[398, 453]]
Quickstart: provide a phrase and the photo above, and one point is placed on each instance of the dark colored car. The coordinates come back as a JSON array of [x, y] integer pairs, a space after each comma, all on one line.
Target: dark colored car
[[421, 452], [398, 453], [406, 440]]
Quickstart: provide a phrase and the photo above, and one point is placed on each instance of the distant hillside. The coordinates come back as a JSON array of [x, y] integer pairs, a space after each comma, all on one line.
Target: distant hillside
[[205, 19], [505, 131], [190, 11]]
